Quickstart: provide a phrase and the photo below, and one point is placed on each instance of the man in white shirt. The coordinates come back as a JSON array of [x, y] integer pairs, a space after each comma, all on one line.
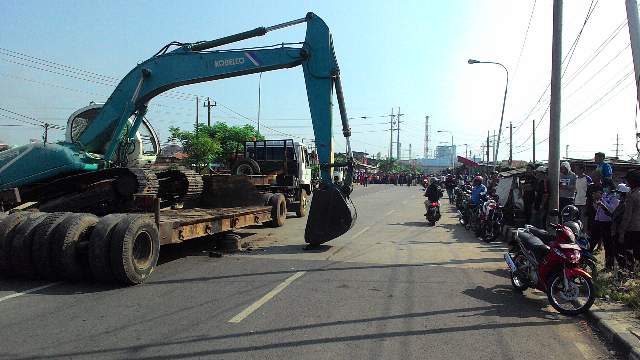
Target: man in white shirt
[[582, 183]]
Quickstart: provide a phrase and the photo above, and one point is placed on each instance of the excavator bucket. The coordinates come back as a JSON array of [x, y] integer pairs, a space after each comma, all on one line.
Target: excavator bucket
[[330, 216]]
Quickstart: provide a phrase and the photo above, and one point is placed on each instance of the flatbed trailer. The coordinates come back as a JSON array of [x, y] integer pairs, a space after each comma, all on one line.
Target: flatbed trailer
[[176, 226]]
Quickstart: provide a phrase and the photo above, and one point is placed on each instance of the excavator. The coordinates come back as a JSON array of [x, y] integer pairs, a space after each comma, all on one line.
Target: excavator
[[101, 165]]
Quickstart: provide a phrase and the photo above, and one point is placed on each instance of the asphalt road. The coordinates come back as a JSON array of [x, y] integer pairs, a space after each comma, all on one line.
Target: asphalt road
[[391, 288]]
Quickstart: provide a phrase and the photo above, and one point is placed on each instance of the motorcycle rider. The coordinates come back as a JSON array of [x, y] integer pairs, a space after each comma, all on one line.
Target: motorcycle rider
[[477, 190], [433, 193], [450, 184]]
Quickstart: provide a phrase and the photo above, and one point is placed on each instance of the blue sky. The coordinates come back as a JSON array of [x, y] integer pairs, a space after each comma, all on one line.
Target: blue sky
[[410, 54]]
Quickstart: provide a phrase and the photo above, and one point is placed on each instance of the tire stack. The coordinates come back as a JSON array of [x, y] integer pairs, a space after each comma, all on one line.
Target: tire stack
[[117, 248]]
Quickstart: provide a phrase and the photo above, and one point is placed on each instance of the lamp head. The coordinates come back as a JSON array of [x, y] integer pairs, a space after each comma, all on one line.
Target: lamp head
[[472, 61]]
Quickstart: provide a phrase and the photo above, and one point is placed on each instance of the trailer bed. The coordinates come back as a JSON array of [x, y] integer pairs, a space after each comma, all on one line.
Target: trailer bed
[[178, 225]]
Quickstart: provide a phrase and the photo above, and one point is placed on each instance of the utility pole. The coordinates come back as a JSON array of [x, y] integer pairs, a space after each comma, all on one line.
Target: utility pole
[[197, 110], [209, 105], [488, 149], [426, 137], [482, 151], [566, 151], [534, 141], [495, 154], [259, 100], [391, 130], [555, 108], [409, 151], [46, 133], [510, 143], [398, 133], [634, 35], [617, 145]]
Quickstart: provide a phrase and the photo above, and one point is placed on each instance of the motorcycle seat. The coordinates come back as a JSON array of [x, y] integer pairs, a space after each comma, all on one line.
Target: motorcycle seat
[[535, 244], [541, 234]]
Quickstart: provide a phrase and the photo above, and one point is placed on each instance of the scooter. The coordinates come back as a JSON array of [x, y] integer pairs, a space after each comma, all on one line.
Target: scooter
[[433, 212], [491, 219], [551, 263]]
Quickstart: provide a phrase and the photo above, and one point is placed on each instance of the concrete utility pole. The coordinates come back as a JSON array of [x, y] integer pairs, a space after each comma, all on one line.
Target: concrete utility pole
[[534, 140], [209, 105], [391, 130], [488, 149], [634, 35], [482, 151], [398, 134], [259, 99], [409, 151], [618, 146], [197, 110], [566, 151], [426, 137], [555, 108], [510, 143]]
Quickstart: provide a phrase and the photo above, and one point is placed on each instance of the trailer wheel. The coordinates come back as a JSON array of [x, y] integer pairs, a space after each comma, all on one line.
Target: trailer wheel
[[65, 256], [42, 244], [135, 246], [21, 246], [278, 210], [100, 247], [8, 226], [301, 207], [245, 167]]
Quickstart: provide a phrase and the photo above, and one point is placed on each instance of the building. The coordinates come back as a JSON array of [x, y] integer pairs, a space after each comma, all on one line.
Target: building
[[445, 156]]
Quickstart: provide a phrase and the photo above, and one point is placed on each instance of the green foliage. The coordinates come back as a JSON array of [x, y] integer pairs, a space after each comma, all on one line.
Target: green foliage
[[201, 148], [215, 143]]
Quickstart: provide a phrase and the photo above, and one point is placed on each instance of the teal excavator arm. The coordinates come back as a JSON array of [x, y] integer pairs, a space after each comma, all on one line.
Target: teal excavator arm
[[194, 63]]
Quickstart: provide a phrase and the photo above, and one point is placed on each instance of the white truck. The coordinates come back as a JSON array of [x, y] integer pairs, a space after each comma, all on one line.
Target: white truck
[[278, 167]]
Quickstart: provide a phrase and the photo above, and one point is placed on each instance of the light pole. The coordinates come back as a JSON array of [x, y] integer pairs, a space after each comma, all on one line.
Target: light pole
[[504, 101], [453, 164]]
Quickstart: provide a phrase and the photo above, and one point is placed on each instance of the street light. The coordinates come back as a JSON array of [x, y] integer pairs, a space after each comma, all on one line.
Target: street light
[[453, 164], [504, 101]]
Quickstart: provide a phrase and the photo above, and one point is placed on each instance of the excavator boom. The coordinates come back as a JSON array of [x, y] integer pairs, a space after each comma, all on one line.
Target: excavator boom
[[330, 215]]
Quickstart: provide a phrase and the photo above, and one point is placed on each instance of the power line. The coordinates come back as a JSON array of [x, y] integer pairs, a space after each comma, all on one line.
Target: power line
[[524, 42]]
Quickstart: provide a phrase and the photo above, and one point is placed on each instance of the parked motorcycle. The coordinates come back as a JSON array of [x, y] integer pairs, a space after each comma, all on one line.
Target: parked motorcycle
[[587, 260], [433, 213], [491, 219], [551, 263]]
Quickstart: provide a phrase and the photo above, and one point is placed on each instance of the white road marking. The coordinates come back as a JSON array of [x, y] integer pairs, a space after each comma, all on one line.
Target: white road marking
[[8, 297], [389, 213], [360, 232], [263, 300]]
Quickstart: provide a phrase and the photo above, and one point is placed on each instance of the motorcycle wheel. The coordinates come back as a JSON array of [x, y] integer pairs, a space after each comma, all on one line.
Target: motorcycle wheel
[[589, 266], [432, 223], [572, 305], [518, 284]]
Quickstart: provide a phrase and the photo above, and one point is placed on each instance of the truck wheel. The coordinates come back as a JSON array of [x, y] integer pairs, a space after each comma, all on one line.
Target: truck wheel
[[65, 256], [135, 246], [42, 244], [8, 226], [245, 167], [21, 259], [100, 247], [278, 210], [301, 207]]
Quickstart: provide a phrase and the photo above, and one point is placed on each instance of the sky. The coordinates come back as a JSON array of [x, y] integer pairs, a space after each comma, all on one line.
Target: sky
[[410, 55]]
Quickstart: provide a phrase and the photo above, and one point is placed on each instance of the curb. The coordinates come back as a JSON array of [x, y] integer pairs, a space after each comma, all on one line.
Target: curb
[[615, 332]]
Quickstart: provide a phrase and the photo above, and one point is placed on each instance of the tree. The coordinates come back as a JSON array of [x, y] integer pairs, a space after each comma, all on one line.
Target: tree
[[231, 138], [201, 148]]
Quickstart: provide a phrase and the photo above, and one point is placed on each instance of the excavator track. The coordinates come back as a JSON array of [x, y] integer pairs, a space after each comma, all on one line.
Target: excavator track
[[147, 181], [179, 185]]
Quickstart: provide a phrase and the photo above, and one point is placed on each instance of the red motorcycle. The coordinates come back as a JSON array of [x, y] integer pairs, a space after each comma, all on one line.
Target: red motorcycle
[[550, 262]]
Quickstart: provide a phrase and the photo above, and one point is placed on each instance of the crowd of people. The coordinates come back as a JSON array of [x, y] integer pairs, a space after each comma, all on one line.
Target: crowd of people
[[407, 179], [609, 208]]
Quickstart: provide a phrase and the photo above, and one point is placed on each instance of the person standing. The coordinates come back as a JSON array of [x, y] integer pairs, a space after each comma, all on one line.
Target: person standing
[[624, 257], [567, 185], [541, 199], [582, 184], [603, 170], [629, 229], [605, 203], [450, 184]]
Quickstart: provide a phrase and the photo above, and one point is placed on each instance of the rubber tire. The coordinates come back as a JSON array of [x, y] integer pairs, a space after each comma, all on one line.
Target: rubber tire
[[586, 307], [122, 249], [278, 210], [8, 226], [22, 244], [301, 208], [41, 247], [250, 163], [432, 223], [517, 288], [65, 258], [100, 248]]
